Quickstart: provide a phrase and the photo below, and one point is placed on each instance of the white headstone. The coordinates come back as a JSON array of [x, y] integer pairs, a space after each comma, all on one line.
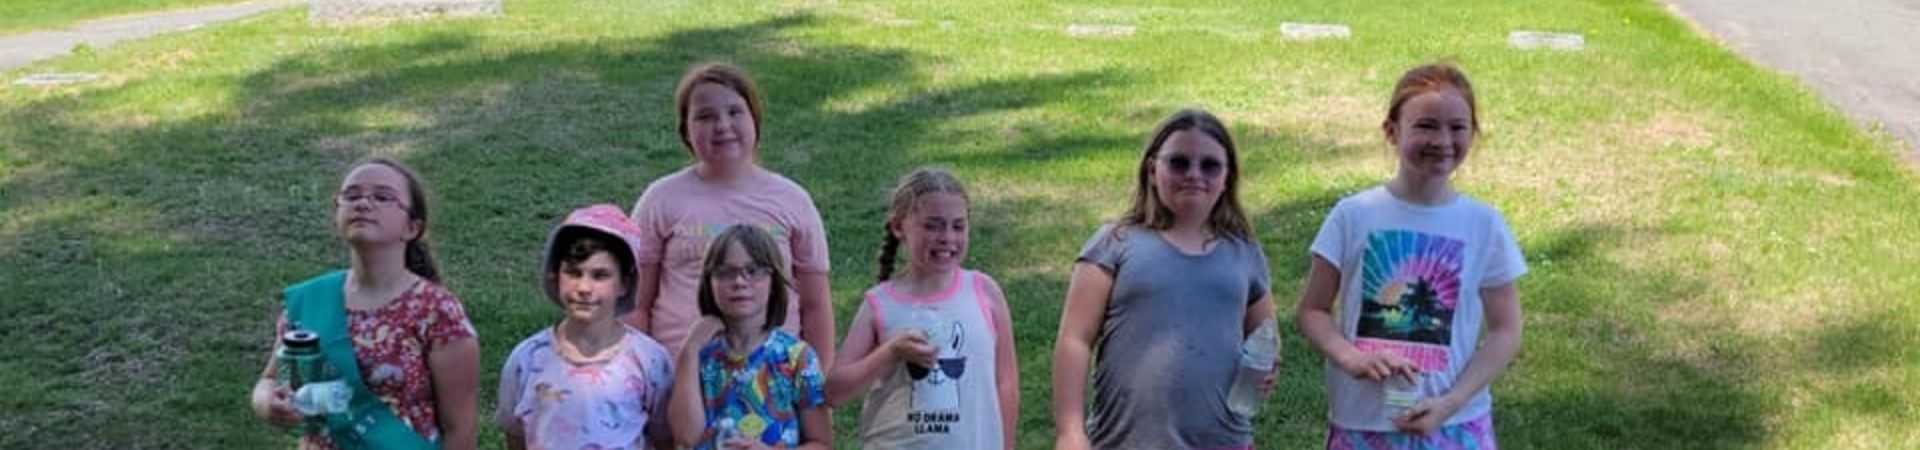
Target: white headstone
[[353, 10], [1530, 40], [1088, 30], [1312, 31], [55, 79]]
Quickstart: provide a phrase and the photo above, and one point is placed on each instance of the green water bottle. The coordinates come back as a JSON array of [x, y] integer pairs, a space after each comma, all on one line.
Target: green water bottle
[[299, 364], [318, 390], [300, 359]]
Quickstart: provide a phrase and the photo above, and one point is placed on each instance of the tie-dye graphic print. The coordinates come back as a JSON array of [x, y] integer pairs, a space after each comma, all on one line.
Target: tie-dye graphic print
[[1410, 286]]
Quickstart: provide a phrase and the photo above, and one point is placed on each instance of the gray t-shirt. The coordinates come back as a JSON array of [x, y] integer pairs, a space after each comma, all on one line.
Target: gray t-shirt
[[1169, 346]]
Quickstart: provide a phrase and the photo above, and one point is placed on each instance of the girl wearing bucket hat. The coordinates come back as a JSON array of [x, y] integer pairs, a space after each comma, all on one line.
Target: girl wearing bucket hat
[[588, 381]]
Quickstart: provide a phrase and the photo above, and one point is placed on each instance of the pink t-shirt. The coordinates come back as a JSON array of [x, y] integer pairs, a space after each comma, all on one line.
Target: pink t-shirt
[[680, 213]]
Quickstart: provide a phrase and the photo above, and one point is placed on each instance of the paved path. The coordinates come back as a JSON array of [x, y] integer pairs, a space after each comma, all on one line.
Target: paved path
[[20, 49], [1861, 55]]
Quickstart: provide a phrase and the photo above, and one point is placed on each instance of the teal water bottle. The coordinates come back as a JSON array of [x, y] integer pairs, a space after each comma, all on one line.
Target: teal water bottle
[[300, 359], [299, 362], [317, 388]]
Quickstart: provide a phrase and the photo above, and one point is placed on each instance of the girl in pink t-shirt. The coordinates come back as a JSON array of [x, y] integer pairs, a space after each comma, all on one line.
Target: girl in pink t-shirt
[[719, 111]]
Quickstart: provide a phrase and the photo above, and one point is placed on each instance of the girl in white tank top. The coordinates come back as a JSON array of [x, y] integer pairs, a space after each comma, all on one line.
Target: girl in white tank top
[[931, 348]]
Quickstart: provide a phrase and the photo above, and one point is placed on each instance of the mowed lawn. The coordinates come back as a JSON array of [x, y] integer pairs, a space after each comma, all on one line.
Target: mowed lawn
[[1719, 260]]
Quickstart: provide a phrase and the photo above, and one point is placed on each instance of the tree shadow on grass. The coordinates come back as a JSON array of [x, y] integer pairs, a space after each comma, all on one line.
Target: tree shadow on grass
[[177, 231], [1600, 370], [1591, 373]]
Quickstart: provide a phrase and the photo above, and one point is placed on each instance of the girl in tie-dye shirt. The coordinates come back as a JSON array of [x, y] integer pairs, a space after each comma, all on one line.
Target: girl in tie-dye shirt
[[588, 382], [743, 383]]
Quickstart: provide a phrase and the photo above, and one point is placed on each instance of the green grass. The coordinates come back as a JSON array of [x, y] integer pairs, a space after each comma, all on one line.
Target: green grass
[[26, 15], [1720, 260]]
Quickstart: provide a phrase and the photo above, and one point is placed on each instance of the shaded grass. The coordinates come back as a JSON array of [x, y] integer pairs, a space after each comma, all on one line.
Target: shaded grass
[[1717, 256]]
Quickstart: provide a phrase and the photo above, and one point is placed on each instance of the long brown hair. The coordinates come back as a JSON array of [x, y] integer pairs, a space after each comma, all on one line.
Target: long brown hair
[[722, 74], [419, 255], [921, 182], [1227, 219]]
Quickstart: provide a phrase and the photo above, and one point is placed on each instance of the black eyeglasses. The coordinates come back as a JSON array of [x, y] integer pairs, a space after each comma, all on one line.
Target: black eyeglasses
[[1209, 167], [754, 272]]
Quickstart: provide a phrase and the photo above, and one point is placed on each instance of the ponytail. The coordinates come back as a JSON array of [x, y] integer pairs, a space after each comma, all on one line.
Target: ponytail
[[889, 247], [420, 261]]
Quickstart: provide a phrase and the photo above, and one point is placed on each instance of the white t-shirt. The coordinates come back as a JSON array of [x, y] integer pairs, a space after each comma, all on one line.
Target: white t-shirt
[[1410, 280]]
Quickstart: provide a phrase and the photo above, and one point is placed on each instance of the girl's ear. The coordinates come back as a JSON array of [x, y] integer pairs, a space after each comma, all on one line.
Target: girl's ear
[[415, 229], [1392, 132]]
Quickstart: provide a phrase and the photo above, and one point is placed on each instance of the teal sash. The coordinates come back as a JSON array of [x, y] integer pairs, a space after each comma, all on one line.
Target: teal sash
[[319, 305]]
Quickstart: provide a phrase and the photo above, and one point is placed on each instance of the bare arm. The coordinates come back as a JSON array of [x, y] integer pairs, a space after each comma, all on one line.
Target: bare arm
[[1006, 364], [1086, 308], [1257, 313], [456, 388], [865, 362], [270, 401], [507, 397], [816, 428], [816, 314], [687, 411], [1498, 348], [646, 289]]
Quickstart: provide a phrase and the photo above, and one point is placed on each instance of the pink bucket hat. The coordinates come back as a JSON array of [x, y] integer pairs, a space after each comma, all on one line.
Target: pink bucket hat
[[606, 221]]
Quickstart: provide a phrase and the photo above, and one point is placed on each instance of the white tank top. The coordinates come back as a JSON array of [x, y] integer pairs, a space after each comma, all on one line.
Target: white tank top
[[954, 406]]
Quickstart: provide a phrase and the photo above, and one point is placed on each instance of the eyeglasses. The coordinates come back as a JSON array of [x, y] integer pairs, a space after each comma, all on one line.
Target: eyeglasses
[[754, 272], [1209, 167], [380, 199]]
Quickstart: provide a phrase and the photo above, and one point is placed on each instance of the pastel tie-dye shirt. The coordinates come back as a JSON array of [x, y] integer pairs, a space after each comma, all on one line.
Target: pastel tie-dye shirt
[[763, 392], [557, 403]]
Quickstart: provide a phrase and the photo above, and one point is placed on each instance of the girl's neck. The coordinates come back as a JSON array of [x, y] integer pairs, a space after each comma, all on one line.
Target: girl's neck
[[1192, 226], [590, 338], [923, 282], [377, 274], [1422, 190], [727, 175], [742, 337]]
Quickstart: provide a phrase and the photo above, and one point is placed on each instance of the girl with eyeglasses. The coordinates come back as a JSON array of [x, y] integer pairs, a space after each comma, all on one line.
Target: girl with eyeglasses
[[742, 382]]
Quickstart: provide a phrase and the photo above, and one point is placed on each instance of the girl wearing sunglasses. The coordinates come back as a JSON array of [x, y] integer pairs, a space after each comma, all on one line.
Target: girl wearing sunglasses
[[1164, 295]]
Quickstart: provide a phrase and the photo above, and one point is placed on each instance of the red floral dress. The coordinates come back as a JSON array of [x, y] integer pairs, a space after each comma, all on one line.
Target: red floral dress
[[392, 343]]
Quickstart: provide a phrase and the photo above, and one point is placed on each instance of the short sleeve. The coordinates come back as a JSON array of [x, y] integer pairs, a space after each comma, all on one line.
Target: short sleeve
[[1260, 275], [1105, 249], [1502, 262], [651, 246], [446, 319], [659, 380], [511, 385], [1331, 242], [808, 239], [811, 382]]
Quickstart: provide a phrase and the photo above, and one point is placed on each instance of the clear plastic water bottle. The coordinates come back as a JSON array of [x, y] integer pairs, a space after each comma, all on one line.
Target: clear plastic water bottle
[[1257, 356], [725, 431], [1401, 392]]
